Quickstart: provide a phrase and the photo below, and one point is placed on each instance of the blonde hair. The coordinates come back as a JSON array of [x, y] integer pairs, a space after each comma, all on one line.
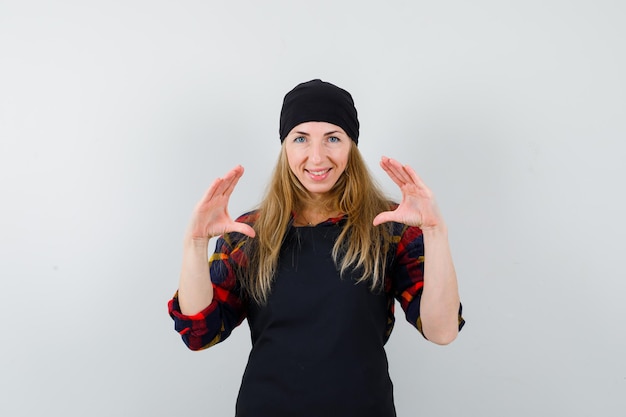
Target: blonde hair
[[360, 246]]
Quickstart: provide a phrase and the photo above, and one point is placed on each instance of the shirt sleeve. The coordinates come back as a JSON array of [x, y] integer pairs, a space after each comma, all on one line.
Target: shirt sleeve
[[227, 310], [408, 275]]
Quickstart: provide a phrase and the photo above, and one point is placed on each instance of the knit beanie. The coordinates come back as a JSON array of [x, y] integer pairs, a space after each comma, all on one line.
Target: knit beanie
[[319, 101]]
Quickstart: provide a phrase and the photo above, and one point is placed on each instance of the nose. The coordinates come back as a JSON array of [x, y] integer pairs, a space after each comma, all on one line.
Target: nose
[[317, 151]]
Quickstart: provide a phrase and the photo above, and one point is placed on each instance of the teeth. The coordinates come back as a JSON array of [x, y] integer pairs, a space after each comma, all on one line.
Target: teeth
[[319, 172]]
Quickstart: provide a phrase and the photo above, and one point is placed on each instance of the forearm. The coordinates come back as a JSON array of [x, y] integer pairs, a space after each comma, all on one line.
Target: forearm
[[439, 307], [195, 291]]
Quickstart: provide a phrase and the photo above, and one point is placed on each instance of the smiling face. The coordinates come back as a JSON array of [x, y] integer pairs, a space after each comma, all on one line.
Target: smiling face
[[317, 153]]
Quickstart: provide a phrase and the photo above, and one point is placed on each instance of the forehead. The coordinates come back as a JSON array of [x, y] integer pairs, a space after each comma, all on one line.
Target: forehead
[[313, 128]]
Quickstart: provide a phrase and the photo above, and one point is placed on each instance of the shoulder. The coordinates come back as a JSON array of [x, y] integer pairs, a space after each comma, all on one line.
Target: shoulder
[[392, 205], [401, 232], [249, 217], [233, 241]]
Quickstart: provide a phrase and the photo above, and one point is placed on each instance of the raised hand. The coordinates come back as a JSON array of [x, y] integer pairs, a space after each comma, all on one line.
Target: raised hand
[[210, 217], [418, 206]]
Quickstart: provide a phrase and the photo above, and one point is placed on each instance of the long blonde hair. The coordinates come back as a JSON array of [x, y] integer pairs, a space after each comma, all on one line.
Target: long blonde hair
[[360, 246]]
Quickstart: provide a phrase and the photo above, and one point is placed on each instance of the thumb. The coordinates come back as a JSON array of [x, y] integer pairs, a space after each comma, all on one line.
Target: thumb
[[243, 229], [384, 217]]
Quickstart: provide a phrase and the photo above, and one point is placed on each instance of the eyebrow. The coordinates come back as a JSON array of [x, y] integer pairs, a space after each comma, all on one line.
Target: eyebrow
[[334, 132]]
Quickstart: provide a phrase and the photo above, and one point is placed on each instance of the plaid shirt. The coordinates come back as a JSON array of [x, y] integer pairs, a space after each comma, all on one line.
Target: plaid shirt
[[404, 281]]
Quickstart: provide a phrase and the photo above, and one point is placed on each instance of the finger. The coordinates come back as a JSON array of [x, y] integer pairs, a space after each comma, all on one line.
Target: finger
[[232, 180], [416, 179], [211, 191], [405, 173], [391, 171], [400, 171], [222, 185], [233, 174]]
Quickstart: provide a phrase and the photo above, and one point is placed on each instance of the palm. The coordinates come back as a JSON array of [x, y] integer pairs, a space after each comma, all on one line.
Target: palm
[[418, 206], [210, 217]]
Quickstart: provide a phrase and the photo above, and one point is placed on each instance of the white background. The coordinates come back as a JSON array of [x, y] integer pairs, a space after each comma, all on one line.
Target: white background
[[115, 116]]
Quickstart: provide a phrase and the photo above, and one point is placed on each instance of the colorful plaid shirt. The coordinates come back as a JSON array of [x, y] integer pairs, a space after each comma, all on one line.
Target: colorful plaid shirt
[[404, 281]]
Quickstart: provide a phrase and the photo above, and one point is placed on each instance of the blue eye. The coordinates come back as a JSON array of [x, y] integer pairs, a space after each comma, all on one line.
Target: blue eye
[[333, 139], [300, 139]]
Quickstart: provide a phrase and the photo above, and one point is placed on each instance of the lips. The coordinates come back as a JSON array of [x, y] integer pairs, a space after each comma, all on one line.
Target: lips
[[319, 174]]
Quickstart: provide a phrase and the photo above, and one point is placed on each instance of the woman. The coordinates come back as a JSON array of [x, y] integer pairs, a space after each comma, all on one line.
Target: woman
[[316, 268]]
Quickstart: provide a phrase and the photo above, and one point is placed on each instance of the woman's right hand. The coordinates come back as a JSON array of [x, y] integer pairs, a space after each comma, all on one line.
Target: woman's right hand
[[210, 217]]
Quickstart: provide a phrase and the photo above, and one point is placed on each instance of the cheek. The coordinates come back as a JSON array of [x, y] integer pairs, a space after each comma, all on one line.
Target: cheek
[[292, 162], [344, 160]]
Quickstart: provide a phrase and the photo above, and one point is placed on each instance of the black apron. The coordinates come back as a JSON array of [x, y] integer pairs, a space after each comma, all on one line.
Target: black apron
[[317, 345]]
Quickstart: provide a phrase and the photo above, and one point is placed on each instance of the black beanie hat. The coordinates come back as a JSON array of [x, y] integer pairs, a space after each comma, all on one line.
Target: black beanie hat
[[319, 101]]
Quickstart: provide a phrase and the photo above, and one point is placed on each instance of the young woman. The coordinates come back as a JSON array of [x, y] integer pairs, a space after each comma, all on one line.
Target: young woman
[[316, 269]]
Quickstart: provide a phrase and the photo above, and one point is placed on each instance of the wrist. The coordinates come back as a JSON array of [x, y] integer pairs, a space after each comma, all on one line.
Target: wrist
[[439, 231], [196, 242]]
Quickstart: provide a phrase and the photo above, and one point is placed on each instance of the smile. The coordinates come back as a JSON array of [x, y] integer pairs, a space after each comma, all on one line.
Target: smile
[[318, 173]]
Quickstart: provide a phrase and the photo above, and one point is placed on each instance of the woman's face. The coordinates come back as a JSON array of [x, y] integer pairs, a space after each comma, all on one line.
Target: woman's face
[[317, 153]]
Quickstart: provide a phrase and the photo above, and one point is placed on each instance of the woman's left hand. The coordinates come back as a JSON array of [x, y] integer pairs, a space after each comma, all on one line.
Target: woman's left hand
[[418, 206]]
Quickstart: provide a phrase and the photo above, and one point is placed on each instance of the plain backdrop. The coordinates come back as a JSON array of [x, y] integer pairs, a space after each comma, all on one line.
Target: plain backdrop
[[115, 116]]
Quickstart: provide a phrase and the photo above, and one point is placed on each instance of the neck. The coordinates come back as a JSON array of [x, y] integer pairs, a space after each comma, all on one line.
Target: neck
[[313, 215]]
